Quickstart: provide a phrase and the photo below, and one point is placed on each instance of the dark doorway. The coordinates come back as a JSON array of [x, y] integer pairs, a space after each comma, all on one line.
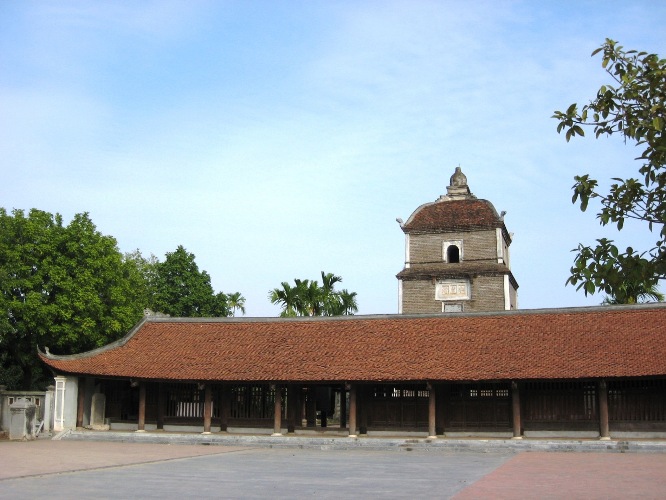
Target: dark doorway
[[453, 254]]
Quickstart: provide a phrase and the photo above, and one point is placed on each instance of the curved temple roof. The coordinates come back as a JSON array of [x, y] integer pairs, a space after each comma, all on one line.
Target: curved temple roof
[[458, 210], [450, 215], [624, 341]]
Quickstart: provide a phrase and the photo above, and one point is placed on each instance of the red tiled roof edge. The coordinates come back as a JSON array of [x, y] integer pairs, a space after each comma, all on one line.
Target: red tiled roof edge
[[451, 215], [44, 355], [625, 341]]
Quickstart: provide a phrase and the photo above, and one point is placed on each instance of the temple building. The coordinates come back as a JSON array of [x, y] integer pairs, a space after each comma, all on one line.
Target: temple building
[[456, 256], [459, 360]]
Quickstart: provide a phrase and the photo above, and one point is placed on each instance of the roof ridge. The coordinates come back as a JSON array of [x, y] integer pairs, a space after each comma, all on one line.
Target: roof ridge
[[397, 316]]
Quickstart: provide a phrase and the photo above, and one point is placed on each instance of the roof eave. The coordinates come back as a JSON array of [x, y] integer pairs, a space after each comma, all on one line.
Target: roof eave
[[99, 350]]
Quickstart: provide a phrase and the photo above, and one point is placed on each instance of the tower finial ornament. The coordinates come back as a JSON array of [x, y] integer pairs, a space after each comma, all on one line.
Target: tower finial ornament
[[458, 188], [458, 179]]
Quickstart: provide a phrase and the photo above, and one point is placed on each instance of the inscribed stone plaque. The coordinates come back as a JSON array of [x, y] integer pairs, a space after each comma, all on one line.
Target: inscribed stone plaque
[[452, 290], [98, 410]]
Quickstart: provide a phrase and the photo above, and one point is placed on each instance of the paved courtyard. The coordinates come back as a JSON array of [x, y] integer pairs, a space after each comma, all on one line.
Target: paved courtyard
[[85, 469]]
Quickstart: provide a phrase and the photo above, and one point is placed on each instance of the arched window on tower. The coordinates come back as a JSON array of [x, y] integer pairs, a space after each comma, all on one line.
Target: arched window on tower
[[452, 254], [452, 251]]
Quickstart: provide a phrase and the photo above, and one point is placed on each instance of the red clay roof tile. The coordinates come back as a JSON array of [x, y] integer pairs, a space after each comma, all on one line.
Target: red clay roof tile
[[451, 215], [519, 345]]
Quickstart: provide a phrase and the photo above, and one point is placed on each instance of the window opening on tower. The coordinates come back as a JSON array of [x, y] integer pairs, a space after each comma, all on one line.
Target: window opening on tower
[[453, 254]]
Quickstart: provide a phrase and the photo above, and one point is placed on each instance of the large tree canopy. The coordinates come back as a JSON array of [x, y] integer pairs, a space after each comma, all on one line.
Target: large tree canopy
[[63, 287], [178, 288], [70, 289], [308, 298], [633, 106]]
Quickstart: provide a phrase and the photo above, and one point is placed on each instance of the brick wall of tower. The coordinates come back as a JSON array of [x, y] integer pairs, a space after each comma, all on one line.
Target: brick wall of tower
[[477, 245], [418, 297]]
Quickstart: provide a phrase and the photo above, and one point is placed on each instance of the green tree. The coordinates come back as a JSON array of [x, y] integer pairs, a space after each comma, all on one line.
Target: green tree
[[63, 287], [236, 302], [634, 107], [307, 298], [310, 298], [180, 289], [330, 299], [632, 294], [345, 305], [287, 298], [147, 268]]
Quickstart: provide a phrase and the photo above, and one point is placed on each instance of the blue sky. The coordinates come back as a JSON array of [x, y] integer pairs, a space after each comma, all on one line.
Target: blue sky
[[276, 139]]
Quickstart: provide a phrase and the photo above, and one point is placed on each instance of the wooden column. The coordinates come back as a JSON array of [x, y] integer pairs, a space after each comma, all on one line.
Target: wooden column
[[161, 406], [225, 407], [142, 407], [311, 407], [81, 398], [352, 410], [362, 405], [442, 398], [432, 412], [604, 429], [208, 408], [290, 408], [515, 405], [299, 406], [277, 420], [343, 407], [293, 403]]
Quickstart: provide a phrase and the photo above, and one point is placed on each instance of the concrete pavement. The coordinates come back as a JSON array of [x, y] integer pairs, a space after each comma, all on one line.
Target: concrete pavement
[[93, 471], [21, 459], [84, 468]]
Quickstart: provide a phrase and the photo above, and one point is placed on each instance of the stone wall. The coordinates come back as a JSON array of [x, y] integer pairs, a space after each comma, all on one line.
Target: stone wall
[[477, 245], [487, 295], [43, 400]]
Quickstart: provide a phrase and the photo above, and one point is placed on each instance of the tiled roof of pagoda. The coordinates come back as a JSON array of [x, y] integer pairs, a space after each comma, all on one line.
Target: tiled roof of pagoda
[[623, 341], [451, 215]]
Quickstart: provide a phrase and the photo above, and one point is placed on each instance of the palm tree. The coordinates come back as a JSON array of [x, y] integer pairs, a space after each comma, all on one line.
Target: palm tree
[[328, 281], [236, 301], [348, 304], [311, 297], [634, 293], [287, 298], [307, 298], [330, 298]]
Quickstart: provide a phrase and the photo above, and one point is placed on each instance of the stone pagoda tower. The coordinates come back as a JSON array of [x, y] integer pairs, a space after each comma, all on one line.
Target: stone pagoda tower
[[456, 256]]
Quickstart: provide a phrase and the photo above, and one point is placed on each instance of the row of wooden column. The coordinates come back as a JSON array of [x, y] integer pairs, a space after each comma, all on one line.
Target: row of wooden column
[[208, 409], [353, 428], [602, 394]]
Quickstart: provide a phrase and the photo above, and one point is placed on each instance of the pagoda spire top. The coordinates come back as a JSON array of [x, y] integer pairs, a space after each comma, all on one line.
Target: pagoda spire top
[[457, 188]]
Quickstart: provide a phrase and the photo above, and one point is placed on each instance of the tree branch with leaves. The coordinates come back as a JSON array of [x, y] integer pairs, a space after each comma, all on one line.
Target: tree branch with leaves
[[634, 107]]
